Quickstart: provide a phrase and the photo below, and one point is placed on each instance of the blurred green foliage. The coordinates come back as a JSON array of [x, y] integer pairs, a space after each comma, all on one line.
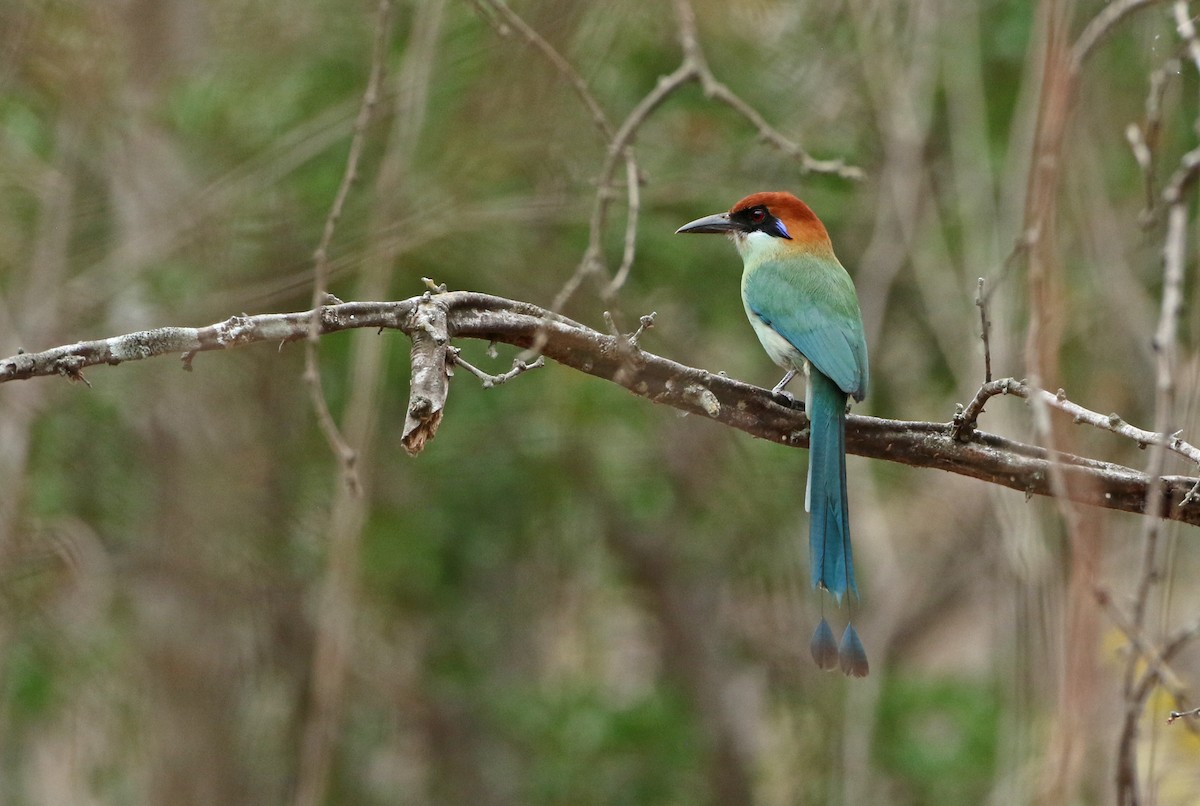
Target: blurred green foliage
[[573, 596], [939, 738]]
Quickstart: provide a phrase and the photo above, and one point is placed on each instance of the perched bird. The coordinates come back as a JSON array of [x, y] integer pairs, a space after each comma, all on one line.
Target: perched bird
[[802, 304]]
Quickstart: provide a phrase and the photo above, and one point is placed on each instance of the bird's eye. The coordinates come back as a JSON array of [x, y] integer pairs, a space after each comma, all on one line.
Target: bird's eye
[[758, 215]]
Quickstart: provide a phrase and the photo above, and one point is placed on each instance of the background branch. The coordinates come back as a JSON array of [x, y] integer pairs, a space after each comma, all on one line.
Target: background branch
[[195, 606]]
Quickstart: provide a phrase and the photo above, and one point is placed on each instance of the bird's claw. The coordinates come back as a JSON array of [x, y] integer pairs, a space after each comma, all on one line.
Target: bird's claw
[[785, 399]]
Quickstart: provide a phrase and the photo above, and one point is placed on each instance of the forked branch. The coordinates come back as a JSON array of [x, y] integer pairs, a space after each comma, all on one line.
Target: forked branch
[[434, 320]]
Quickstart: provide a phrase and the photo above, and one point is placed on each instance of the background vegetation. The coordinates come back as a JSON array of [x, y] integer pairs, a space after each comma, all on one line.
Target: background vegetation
[[573, 596]]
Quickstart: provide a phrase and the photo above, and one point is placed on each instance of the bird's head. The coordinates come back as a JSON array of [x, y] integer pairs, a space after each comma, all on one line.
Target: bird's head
[[766, 223]]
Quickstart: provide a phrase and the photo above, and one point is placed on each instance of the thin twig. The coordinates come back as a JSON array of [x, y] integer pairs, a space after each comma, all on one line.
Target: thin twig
[[985, 326], [1171, 717], [592, 261], [964, 422], [593, 256], [358, 140], [693, 53], [644, 324], [1143, 139], [509, 17], [1144, 650], [1101, 26], [1183, 178], [338, 606], [346, 454], [1185, 26], [1157, 672], [1164, 343], [633, 188], [769, 134], [693, 67], [1144, 157], [487, 380], [1174, 258]]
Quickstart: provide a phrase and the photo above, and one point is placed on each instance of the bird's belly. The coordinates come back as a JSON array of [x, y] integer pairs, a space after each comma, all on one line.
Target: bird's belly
[[781, 351]]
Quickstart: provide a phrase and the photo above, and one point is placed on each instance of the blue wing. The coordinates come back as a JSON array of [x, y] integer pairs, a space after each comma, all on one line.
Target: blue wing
[[810, 301]]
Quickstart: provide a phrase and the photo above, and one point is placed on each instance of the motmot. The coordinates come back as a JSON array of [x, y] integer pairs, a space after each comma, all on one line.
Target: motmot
[[802, 305]]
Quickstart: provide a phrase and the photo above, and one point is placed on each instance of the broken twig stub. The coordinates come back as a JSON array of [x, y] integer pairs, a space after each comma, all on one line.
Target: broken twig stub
[[430, 374]]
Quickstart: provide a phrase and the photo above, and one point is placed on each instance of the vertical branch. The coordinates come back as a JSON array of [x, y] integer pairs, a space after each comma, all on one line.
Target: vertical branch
[[592, 261], [985, 328], [338, 602], [312, 372], [1136, 688], [1143, 140], [1062, 69], [40, 304], [1048, 313], [633, 187], [693, 67], [1047, 300], [1174, 262]]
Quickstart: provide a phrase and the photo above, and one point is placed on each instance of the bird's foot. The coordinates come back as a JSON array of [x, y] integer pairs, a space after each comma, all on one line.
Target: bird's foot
[[778, 390], [784, 398]]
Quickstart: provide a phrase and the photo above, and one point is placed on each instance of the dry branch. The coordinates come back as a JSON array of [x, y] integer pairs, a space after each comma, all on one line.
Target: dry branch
[[430, 362], [312, 372], [964, 421], [693, 68], [733, 403]]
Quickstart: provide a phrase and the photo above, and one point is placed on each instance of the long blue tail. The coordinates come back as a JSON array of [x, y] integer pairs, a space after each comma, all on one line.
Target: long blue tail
[[825, 498]]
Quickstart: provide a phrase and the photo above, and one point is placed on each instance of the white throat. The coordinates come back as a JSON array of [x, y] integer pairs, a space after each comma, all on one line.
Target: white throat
[[755, 246]]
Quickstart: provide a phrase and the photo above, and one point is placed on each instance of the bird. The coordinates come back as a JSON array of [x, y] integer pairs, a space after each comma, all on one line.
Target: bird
[[802, 304]]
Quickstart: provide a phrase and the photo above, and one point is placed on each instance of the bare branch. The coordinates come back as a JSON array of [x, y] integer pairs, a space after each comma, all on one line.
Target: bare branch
[[1146, 651], [1143, 140], [1101, 26], [985, 327], [1183, 178], [1178, 714], [769, 134], [1185, 25], [1174, 261], [346, 454], [633, 186], [236, 331], [984, 456], [592, 260], [693, 67], [644, 324], [694, 55], [618, 148], [357, 142], [510, 18], [964, 421], [487, 380]]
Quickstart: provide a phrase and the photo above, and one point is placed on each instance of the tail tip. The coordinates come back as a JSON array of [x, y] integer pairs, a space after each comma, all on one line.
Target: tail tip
[[824, 647], [852, 657]]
